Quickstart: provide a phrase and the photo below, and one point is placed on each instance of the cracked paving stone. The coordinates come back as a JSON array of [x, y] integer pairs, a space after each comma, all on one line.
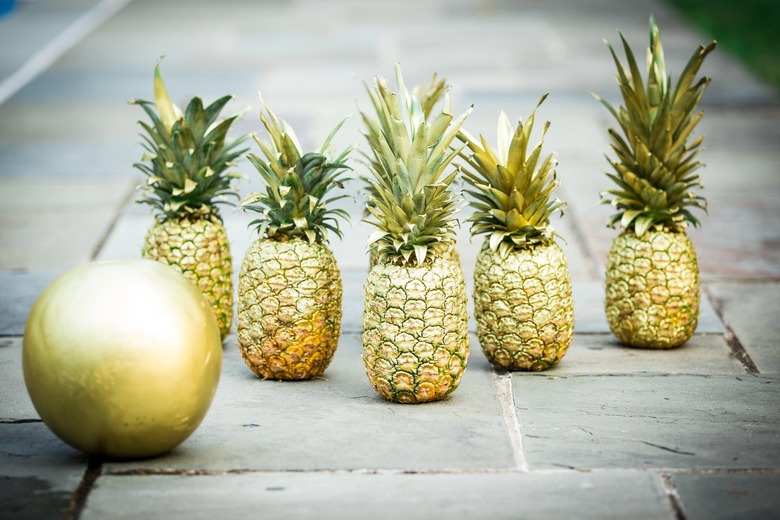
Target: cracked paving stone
[[649, 421], [705, 496]]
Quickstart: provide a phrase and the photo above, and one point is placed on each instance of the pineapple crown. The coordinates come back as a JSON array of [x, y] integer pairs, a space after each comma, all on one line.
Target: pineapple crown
[[429, 94], [410, 198], [293, 205], [510, 188], [186, 155], [656, 161]]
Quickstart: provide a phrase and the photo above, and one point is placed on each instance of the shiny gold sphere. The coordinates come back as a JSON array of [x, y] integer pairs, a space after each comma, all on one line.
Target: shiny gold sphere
[[122, 358]]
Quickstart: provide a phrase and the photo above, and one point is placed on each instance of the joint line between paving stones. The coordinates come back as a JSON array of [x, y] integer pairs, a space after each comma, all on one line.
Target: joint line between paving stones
[[103, 239], [79, 500], [674, 496], [62, 43], [737, 349], [503, 383], [582, 243], [181, 472]]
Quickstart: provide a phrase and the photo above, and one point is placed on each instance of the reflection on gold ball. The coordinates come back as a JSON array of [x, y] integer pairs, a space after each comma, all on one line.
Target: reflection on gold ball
[[122, 358]]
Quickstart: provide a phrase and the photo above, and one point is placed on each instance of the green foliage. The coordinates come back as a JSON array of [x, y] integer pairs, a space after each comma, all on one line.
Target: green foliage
[[748, 29]]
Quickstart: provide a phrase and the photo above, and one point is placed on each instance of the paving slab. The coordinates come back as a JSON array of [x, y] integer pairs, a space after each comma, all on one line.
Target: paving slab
[[80, 121], [740, 238], [55, 223], [338, 421], [602, 354], [120, 86], [15, 403], [675, 421], [346, 496], [65, 159], [60, 193], [30, 26], [715, 496], [51, 241], [38, 472], [18, 291], [751, 310], [639, 425]]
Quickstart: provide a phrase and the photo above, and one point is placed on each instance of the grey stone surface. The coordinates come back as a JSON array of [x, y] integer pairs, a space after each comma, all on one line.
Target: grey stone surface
[[714, 496], [30, 26], [560, 495], [602, 354], [639, 425], [649, 421], [18, 292], [751, 310], [81, 120], [353, 282], [15, 403], [65, 160], [52, 223], [51, 241], [270, 425], [38, 472]]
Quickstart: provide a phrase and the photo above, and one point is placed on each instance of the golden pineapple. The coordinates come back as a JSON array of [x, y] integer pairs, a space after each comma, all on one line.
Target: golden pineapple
[[522, 288], [289, 288], [415, 319], [186, 162], [652, 278]]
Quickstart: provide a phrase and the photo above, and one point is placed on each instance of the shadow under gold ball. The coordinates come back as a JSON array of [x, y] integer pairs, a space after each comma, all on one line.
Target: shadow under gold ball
[[122, 358]]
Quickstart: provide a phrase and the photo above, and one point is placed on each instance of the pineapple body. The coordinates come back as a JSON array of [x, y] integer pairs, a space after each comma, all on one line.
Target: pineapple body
[[415, 330], [523, 306], [289, 308], [197, 247], [652, 289]]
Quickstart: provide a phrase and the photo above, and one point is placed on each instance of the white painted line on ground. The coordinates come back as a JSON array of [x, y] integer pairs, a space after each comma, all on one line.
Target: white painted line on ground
[[52, 51], [506, 400]]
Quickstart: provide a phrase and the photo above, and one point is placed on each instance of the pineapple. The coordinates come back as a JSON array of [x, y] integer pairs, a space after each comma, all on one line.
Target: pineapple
[[415, 319], [652, 277], [522, 288], [186, 161], [289, 288]]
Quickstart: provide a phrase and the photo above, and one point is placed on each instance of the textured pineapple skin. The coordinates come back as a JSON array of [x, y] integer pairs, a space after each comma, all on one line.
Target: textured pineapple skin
[[415, 330], [652, 289], [289, 309], [199, 249], [523, 307]]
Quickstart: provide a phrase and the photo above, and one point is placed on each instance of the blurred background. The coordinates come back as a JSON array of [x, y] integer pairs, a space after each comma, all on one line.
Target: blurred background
[[68, 137]]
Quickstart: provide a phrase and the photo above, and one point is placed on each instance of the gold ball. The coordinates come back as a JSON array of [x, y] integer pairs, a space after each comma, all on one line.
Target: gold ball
[[122, 358]]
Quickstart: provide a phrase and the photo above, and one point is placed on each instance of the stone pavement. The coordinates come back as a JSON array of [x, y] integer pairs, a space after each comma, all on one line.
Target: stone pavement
[[611, 432]]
